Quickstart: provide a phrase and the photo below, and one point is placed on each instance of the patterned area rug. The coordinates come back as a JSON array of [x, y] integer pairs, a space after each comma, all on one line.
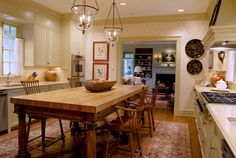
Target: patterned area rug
[[9, 142], [170, 140]]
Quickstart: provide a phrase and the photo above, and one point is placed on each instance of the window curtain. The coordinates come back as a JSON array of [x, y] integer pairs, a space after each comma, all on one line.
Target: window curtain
[[17, 68]]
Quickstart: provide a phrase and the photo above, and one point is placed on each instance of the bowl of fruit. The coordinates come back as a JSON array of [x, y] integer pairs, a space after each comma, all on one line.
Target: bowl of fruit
[[98, 85]]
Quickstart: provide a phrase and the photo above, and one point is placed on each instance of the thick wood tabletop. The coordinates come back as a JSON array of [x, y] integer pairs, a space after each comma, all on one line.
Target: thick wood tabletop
[[79, 99]]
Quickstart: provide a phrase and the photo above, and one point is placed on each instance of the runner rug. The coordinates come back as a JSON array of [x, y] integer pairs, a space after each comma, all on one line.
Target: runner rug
[[170, 140]]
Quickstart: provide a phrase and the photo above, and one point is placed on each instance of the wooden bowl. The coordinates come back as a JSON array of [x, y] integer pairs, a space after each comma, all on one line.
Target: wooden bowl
[[98, 85]]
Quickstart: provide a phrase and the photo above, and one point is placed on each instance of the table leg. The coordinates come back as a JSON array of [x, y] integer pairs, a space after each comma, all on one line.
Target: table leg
[[22, 141], [91, 142]]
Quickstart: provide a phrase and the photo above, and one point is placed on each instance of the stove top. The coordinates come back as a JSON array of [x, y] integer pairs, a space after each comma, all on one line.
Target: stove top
[[222, 98]]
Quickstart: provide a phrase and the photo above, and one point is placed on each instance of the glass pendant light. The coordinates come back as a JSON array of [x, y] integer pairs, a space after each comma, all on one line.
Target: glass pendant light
[[113, 31], [83, 14]]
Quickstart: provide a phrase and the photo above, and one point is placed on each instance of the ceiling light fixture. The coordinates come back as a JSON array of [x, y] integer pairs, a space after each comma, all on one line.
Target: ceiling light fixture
[[113, 31], [123, 4], [180, 10], [83, 14]]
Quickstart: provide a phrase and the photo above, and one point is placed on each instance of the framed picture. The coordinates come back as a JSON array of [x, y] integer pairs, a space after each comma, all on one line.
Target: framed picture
[[168, 57], [215, 13], [100, 71], [100, 51]]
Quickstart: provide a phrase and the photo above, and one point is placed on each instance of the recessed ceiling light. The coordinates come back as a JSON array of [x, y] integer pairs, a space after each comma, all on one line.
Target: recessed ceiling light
[[123, 3], [180, 10]]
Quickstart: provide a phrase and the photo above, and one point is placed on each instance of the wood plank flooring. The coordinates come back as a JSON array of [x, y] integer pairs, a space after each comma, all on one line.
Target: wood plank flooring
[[69, 150]]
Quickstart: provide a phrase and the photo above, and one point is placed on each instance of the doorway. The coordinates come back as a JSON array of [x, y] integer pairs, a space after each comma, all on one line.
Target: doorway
[[164, 62]]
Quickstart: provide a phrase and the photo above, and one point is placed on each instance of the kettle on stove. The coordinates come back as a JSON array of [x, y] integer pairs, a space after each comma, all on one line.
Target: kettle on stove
[[221, 85]]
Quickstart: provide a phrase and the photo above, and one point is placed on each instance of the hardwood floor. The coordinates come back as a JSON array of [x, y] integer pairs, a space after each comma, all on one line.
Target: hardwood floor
[[70, 150]]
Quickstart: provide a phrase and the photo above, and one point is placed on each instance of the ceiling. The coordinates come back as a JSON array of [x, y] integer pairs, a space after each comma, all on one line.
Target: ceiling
[[134, 8]]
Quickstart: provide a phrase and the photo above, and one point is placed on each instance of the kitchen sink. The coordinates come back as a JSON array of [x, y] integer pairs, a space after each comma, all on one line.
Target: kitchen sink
[[232, 120]]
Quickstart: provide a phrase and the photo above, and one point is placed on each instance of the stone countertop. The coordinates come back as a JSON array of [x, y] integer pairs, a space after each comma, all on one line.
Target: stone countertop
[[222, 114], [16, 85]]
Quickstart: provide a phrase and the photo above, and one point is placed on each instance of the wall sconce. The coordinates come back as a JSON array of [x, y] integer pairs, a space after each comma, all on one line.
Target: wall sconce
[[158, 57], [221, 56]]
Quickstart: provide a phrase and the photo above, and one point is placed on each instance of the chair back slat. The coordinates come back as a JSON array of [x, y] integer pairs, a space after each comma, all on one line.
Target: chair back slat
[[31, 87], [133, 115], [73, 81]]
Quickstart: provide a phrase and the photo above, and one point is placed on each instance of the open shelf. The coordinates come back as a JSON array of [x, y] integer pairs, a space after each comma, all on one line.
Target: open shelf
[[144, 58]]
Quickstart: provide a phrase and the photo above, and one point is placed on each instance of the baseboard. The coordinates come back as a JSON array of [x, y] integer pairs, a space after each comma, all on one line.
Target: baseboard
[[183, 113]]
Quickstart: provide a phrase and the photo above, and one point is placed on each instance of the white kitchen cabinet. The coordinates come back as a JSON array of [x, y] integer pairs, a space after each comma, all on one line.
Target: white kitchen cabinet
[[54, 55], [13, 117], [208, 133], [47, 46], [42, 45]]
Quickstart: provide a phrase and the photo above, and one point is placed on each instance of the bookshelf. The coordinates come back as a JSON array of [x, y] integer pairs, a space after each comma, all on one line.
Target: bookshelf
[[144, 58]]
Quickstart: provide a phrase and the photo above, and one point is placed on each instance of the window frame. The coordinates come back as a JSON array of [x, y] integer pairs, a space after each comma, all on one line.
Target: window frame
[[9, 37]]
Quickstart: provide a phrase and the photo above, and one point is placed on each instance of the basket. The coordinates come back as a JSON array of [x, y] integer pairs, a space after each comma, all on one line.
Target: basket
[[98, 85]]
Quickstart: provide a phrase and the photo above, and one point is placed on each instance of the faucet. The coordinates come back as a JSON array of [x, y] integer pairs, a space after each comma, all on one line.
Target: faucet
[[9, 78]]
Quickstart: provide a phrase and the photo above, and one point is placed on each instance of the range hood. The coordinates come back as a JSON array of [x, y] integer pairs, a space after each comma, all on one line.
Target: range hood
[[220, 36], [223, 33]]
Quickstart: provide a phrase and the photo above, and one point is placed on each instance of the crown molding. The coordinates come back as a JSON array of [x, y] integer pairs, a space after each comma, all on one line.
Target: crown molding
[[153, 19]]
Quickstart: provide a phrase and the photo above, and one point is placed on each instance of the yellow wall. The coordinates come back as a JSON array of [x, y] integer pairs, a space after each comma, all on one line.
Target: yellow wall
[[227, 13], [181, 31]]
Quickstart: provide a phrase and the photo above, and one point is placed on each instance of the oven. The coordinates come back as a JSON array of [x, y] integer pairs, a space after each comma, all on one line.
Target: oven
[[77, 66], [200, 102]]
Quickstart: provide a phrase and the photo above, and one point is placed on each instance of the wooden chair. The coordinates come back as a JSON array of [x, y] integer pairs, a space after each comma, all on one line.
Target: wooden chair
[[129, 119], [32, 87], [150, 101], [74, 82]]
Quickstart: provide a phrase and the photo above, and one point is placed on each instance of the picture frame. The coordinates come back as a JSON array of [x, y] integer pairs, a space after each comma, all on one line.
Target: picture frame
[[101, 51], [215, 13], [100, 71], [168, 57]]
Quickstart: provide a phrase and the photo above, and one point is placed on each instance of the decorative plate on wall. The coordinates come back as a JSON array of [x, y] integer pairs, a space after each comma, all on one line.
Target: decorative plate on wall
[[194, 48], [194, 67]]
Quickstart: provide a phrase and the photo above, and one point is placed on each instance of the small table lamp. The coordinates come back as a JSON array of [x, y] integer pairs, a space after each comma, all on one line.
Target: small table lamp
[[137, 70]]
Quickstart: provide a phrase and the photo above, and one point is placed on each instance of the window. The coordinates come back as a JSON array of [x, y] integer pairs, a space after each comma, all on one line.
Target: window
[[12, 51], [128, 63]]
